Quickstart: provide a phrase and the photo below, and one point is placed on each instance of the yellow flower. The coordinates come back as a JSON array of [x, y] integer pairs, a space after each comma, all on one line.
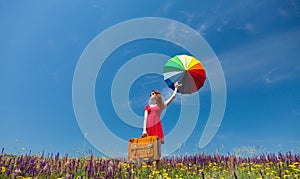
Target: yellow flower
[[292, 166], [280, 164], [125, 165], [165, 175], [257, 165], [179, 164], [296, 170], [155, 172], [144, 166], [296, 163], [3, 169]]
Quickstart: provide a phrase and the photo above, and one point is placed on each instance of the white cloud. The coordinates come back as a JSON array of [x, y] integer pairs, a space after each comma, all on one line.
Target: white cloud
[[172, 29], [222, 25], [202, 28], [189, 17], [249, 27], [296, 112], [269, 60], [218, 17], [238, 15], [296, 6], [282, 12], [167, 7], [51, 44], [277, 74]]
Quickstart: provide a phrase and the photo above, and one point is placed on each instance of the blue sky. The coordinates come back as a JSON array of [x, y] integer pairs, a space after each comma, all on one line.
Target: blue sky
[[257, 44]]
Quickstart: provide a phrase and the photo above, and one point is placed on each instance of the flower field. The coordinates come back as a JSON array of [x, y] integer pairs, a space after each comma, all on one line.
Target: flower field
[[196, 166]]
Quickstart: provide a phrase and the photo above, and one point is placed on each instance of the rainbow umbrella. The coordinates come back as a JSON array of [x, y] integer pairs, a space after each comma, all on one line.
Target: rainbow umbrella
[[187, 70]]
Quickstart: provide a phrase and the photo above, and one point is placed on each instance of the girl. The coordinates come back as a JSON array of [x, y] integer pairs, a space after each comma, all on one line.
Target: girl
[[152, 124]]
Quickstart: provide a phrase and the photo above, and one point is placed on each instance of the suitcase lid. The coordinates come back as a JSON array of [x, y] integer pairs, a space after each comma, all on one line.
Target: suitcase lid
[[147, 139]]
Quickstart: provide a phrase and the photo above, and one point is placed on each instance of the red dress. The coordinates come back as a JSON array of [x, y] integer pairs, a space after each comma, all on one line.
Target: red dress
[[154, 126]]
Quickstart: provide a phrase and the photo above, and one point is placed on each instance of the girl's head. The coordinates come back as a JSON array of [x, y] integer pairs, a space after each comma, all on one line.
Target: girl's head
[[156, 97]]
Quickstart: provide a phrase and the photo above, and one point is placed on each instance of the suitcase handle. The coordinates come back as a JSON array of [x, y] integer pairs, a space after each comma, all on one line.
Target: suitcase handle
[[152, 139], [144, 135]]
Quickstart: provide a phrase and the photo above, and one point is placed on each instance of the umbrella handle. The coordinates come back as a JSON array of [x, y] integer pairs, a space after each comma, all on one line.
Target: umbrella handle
[[176, 84]]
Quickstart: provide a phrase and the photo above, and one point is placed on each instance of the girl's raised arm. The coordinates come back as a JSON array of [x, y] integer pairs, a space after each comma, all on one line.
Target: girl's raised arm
[[176, 85]]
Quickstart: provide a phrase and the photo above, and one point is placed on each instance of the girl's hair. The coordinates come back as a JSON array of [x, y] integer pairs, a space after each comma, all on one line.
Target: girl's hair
[[158, 98]]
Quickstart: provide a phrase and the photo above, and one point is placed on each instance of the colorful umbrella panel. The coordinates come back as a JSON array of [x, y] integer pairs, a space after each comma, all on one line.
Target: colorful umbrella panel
[[187, 70]]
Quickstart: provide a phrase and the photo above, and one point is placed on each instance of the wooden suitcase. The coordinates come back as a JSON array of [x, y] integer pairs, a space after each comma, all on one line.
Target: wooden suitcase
[[147, 148]]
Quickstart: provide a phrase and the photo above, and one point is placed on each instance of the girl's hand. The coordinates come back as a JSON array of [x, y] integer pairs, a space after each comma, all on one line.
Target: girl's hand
[[144, 135], [176, 85]]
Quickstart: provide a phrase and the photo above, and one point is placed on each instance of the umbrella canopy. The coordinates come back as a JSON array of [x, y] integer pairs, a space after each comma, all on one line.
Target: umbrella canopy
[[187, 70]]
